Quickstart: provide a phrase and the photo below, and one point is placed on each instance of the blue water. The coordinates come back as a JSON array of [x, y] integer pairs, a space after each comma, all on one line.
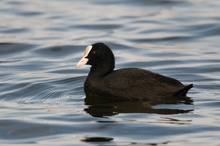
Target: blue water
[[42, 101]]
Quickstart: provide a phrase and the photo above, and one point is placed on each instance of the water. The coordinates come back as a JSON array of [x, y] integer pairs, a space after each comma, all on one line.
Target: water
[[42, 99]]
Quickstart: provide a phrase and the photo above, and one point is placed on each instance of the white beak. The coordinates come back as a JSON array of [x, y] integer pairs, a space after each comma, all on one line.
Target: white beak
[[84, 60]]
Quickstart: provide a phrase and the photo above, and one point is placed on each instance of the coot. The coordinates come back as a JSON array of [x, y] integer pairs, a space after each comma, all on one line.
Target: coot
[[125, 84]]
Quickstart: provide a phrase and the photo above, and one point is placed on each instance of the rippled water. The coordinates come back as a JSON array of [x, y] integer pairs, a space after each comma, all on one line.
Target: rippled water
[[42, 99]]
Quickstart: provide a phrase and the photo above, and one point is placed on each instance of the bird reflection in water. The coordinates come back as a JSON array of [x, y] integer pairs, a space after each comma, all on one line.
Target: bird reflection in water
[[101, 107]]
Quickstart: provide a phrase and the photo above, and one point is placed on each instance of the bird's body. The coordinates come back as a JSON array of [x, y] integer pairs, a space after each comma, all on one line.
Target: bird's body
[[128, 83]]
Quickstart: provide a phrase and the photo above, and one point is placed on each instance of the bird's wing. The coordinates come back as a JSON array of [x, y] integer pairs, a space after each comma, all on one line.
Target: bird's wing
[[136, 82]]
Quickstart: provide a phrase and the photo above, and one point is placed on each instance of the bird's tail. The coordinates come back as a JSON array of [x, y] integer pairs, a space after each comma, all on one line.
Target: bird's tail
[[183, 91]]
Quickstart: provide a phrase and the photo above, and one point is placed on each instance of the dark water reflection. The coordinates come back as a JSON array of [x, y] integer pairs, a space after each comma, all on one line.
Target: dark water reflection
[[41, 93], [104, 108]]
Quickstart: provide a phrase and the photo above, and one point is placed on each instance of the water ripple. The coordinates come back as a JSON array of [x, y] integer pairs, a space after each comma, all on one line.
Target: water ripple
[[42, 97]]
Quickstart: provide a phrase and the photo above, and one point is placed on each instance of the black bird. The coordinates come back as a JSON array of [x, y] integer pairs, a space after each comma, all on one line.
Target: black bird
[[125, 84]]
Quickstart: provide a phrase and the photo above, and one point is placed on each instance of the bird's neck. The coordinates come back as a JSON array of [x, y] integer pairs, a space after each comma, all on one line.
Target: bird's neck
[[101, 70]]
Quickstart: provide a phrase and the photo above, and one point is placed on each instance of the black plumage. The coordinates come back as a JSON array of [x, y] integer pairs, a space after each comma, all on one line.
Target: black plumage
[[128, 83]]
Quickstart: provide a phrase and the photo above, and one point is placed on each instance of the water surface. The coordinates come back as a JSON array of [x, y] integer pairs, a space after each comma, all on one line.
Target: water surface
[[42, 97]]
